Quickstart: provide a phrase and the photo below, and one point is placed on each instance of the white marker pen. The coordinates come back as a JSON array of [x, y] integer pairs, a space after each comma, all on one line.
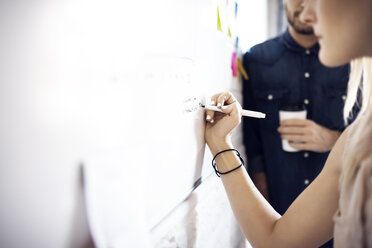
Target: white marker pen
[[247, 113]]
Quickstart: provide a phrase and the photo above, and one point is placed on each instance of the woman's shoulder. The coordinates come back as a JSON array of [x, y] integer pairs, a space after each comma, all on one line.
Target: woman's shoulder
[[356, 187], [344, 146]]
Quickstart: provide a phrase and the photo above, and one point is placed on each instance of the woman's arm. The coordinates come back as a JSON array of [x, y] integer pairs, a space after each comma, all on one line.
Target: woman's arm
[[308, 221]]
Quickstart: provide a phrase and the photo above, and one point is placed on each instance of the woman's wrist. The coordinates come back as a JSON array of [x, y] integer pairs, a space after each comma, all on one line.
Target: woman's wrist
[[218, 146], [225, 161], [227, 158]]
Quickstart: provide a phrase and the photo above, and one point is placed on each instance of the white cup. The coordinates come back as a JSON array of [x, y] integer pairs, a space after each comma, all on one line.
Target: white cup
[[288, 114]]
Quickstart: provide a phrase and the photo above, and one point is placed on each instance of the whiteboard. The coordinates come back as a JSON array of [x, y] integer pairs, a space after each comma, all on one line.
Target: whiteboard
[[188, 57], [99, 91]]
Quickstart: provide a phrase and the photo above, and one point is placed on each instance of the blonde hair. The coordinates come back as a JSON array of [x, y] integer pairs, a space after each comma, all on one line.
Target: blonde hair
[[360, 139]]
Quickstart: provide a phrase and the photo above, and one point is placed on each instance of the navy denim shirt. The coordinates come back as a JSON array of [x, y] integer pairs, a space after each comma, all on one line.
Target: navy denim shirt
[[280, 70]]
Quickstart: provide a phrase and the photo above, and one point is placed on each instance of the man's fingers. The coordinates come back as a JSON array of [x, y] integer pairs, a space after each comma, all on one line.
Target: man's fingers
[[296, 122], [300, 146], [295, 138], [291, 130]]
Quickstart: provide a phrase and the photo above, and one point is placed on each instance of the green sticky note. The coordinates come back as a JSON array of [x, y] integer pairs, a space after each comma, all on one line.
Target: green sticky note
[[219, 27]]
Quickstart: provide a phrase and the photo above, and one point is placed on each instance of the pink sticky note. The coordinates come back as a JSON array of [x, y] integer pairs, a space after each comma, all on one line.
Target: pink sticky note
[[233, 64]]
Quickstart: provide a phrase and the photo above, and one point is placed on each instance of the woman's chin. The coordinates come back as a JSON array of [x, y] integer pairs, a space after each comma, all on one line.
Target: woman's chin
[[332, 60]]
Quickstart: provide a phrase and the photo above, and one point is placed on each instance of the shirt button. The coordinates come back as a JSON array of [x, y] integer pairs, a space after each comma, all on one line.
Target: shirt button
[[307, 75], [307, 51], [344, 97], [306, 154], [270, 97], [306, 101], [306, 182]]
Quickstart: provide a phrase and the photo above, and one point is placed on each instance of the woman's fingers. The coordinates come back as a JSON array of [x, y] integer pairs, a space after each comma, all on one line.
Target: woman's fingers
[[224, 101], [210, 113], [220, 125], [225, 98]]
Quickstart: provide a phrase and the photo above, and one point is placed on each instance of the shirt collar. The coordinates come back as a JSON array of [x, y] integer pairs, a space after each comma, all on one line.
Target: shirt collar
[[291, 44]]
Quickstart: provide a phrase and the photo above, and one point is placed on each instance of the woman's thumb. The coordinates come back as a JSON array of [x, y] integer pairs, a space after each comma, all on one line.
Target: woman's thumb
[[228, 109]]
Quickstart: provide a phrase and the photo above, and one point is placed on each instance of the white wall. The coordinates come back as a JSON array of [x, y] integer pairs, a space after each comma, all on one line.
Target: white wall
[[253, 22], [62, 98]]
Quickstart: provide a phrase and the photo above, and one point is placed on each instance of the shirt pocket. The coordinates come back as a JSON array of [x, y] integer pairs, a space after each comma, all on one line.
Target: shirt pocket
[[268, 102], [334, 102]]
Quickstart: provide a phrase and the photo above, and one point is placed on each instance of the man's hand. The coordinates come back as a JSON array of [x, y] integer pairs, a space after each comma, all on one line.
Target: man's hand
[[307, 135]]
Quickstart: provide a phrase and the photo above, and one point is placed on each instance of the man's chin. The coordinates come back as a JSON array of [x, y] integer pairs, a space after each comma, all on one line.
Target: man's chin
[[304, 31]]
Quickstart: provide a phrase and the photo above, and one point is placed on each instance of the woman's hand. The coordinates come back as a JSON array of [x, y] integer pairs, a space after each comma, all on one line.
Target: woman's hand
[[220, 125]]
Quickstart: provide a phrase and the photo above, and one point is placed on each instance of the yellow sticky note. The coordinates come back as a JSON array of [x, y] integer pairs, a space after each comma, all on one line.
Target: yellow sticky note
[[219, 27], [230, 32], [241, 69]]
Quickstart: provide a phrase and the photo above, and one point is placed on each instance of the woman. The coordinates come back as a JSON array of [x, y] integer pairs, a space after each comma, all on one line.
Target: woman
[[339, 202]]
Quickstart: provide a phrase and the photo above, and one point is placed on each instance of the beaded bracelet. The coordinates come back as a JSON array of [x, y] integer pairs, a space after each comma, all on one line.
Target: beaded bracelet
[[218, 173]]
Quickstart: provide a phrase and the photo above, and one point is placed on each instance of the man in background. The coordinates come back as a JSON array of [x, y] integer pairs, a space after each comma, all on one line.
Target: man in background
[[284, 70]]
